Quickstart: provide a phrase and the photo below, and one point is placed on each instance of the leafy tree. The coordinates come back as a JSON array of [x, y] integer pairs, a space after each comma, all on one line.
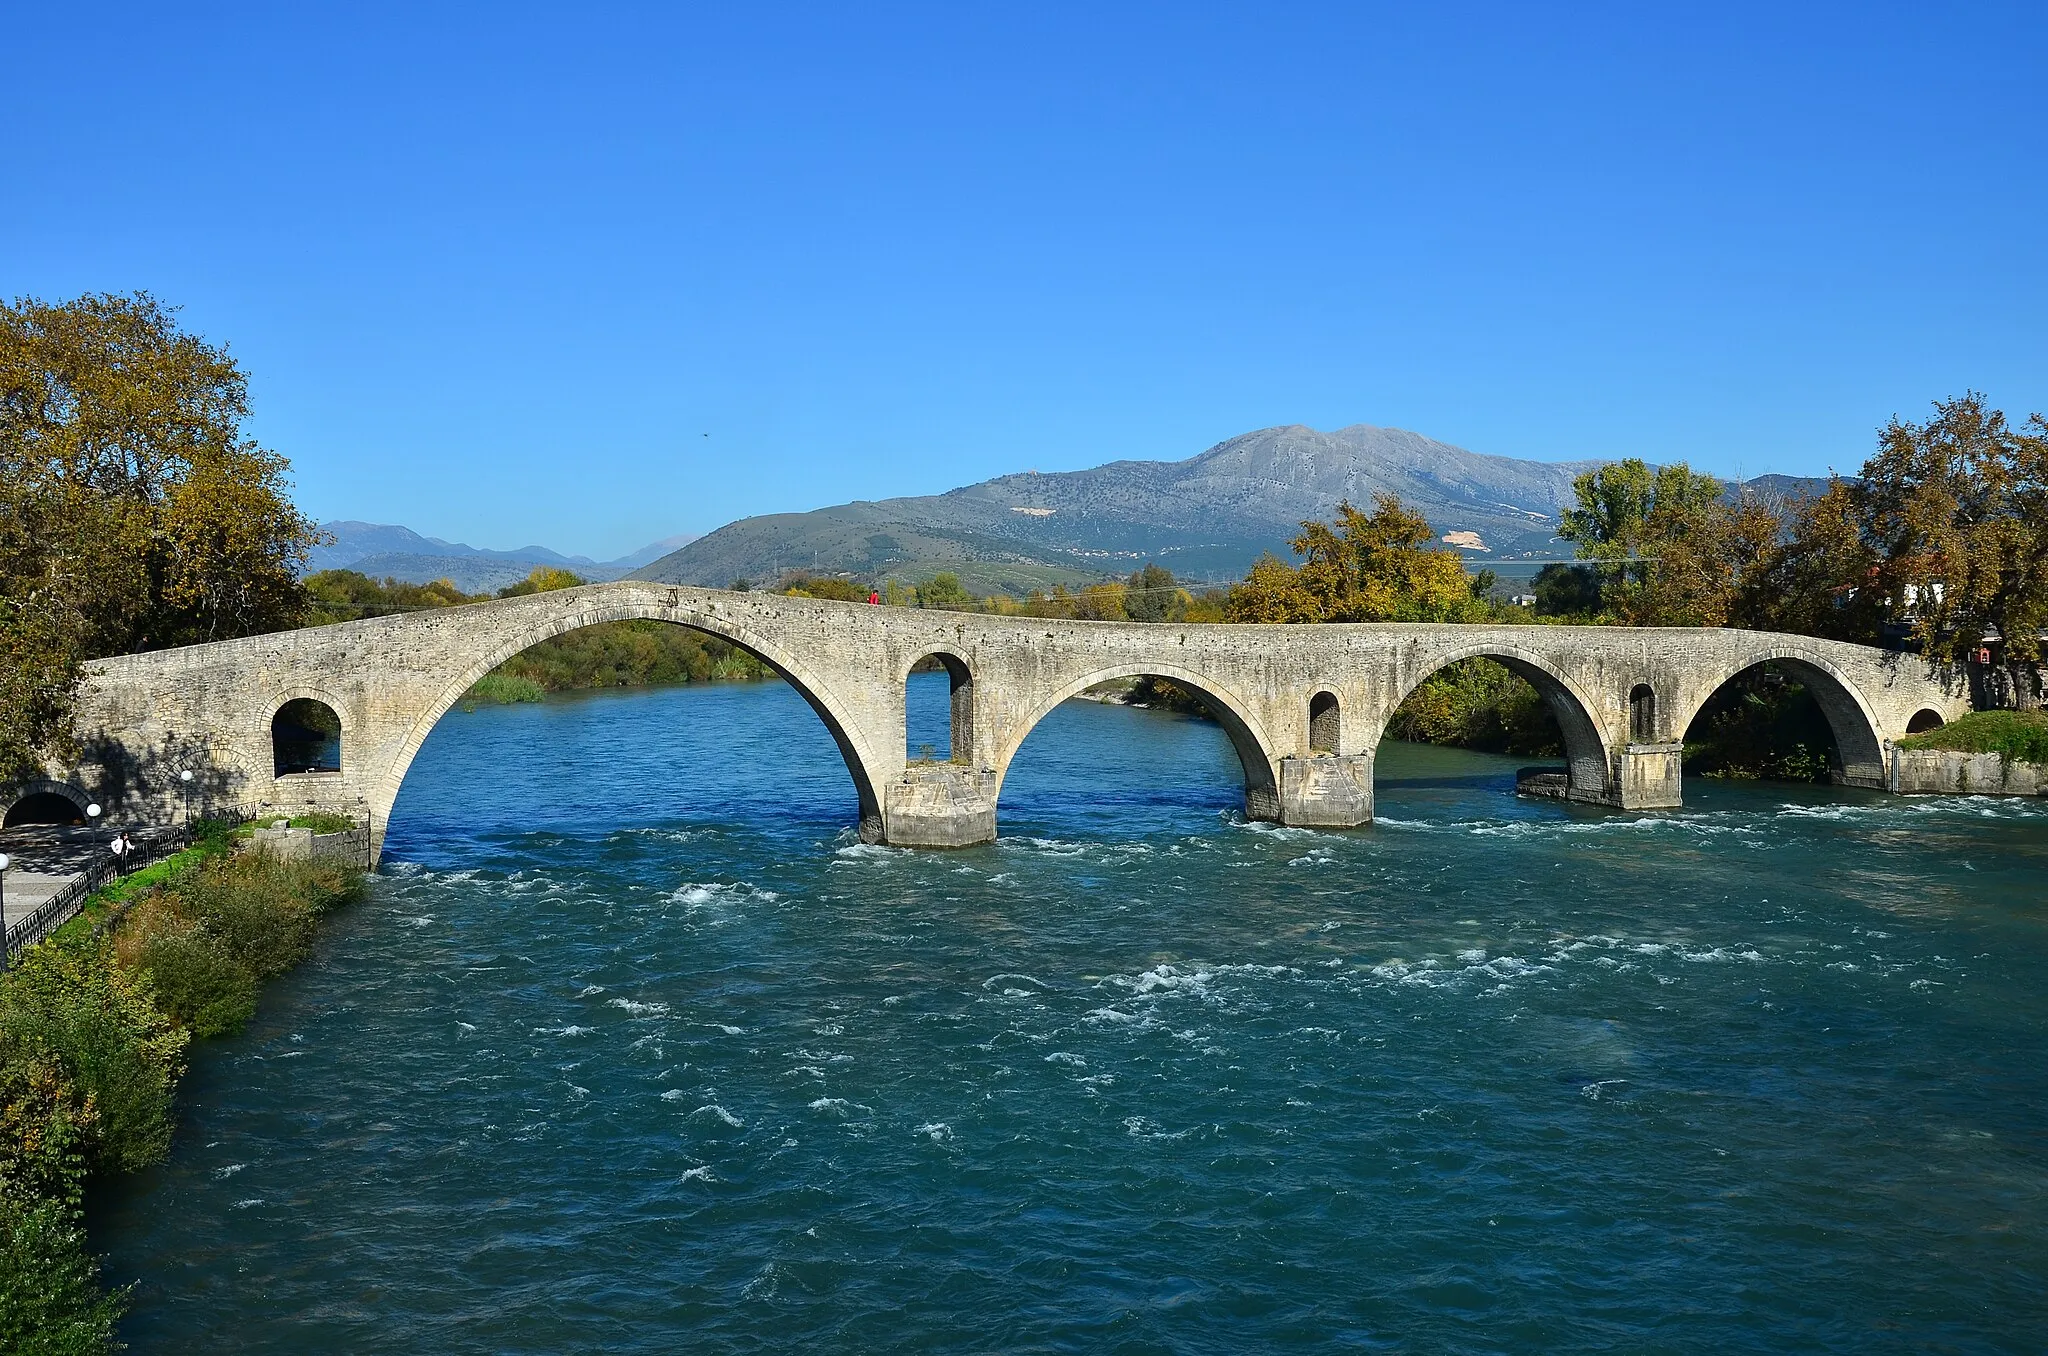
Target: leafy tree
[[543, 579], [66, 1004], [133, 514], [1153, 595], [1944, 537], [1669, 550], [1364, 567], [1571, 591], [944, 591], [835, 590], [346, 595]]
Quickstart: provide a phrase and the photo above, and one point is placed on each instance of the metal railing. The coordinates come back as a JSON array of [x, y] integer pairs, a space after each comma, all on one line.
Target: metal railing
[[62, 907]]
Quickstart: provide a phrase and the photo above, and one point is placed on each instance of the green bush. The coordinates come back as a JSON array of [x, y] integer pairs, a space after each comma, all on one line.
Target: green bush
[[66, 1004], [197, 982], [50, 1298], [51, 1303], [2016, 736]]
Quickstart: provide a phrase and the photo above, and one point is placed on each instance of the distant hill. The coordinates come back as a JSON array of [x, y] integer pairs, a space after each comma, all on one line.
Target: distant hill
[[383, 549], [1206, 518]]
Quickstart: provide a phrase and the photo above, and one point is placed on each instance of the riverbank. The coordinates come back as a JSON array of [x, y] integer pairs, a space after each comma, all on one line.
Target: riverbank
[[95, 1023]]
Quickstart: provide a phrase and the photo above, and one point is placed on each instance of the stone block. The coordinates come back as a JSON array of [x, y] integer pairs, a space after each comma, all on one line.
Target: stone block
[[1327, 792]]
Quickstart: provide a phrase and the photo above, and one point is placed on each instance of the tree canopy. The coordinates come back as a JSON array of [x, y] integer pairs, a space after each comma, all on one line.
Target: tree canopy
[[133, 514], [1943, 539], [1364, 567], [1668, 549]]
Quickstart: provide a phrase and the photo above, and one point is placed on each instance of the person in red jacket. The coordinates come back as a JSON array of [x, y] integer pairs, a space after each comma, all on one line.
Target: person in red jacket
[[874, 597]]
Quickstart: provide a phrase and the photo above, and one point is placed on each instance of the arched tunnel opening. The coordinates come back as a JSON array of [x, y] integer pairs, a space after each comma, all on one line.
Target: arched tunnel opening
[[42, 807], [305, 736]]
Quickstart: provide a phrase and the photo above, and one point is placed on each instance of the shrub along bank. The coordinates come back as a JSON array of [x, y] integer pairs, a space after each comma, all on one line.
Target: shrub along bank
[[94, 1027]]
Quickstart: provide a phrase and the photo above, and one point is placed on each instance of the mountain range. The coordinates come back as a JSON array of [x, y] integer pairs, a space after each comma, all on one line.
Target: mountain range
[[1206, 518], [383, 550]]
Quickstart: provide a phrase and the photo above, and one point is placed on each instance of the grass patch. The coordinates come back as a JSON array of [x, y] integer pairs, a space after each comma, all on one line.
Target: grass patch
[[319, 821], [502, 689], [2016, 736]]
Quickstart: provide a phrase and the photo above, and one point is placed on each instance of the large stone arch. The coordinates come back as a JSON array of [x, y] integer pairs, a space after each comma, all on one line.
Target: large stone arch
[[1588, 751], [846, 733], [1859, 734], [1247, 736], [11, 796]]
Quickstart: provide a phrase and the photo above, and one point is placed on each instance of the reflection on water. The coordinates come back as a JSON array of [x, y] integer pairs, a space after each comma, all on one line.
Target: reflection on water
[[636, 1048]]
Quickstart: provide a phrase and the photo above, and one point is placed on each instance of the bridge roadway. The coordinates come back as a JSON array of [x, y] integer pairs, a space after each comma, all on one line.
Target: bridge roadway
[[1305, 706]]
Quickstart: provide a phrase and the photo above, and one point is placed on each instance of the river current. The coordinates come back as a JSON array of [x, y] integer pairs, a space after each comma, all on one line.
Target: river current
[[635, 1048]]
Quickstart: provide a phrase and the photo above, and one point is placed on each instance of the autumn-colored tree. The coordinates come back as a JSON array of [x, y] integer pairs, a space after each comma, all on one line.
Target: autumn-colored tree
[[133, 514], [1668, 549], [1360, 568], [1944, 537]]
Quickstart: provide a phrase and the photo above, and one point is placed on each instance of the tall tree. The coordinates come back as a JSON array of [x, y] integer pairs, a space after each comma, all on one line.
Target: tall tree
[[1363, 567], [1153, 595], [1944, 537], [1668, 549], [133, 514]]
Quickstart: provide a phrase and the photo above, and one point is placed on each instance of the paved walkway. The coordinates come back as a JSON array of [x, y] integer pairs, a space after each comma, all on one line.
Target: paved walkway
[[41, 858]]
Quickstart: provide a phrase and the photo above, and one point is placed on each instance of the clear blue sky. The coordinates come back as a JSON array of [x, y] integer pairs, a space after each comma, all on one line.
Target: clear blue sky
[[495, 271]]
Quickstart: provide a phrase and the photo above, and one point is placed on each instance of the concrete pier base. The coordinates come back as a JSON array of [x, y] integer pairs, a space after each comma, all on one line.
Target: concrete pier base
[[939, 805], [1649, 776], [1326, 792]]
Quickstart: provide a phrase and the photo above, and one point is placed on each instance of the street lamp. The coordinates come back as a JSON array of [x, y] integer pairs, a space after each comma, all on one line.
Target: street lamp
[[92, 817], [3, 910], [185, 780]]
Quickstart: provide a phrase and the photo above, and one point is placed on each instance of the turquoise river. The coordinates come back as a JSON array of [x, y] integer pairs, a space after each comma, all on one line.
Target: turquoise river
[[635, 1048]]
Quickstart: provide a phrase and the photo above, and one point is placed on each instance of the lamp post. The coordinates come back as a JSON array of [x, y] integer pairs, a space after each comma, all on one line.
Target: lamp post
[[185, 785], [3, 910]]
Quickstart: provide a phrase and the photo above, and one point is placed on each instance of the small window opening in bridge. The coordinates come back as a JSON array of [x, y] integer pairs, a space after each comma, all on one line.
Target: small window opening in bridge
[[1324, 720], [43, 807], [305, 736], [938, 710], [1924, 720], [1642, 713], [1766, 723]]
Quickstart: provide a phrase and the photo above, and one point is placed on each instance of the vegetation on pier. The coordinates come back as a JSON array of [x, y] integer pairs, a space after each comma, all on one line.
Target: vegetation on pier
[[2016, 736]]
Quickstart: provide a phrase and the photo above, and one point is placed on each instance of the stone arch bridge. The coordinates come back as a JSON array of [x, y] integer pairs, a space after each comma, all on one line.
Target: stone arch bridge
[[1305, 706]]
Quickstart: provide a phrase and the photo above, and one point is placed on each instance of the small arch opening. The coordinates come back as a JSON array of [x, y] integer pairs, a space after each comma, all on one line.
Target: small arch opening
[[1924, 720], [1642, 713], [305, 736], [1325, 723], [938, 714], [43, 807]]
